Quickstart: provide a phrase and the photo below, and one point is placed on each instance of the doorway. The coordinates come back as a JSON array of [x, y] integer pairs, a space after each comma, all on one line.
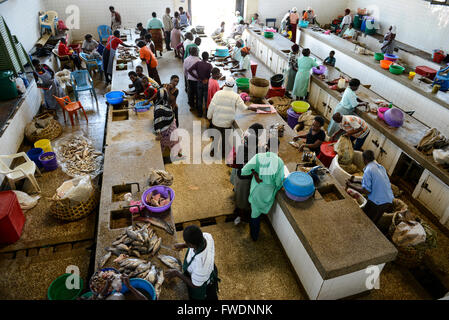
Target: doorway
[[210, 13]]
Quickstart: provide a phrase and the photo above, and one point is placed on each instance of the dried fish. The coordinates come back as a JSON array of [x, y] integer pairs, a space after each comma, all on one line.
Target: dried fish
[[119, 240], [170, 261], [161, 224], [157, 246], [160, 281], [105, 259], [123, 247], [152, 275], [120, 258], [114, 250], [132, 234]]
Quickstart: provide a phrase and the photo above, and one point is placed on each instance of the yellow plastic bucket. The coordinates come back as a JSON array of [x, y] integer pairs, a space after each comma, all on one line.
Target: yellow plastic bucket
[[44, 144], [411, 75]]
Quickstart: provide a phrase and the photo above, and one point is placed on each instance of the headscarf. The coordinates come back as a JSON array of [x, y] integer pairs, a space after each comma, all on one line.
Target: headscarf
[[163, 113], [245, 50], [294, 9], [230, 82]]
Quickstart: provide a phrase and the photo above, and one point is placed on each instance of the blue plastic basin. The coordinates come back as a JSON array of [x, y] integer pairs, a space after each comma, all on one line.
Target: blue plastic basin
[[141, 284], [299, 184], [115, 97]]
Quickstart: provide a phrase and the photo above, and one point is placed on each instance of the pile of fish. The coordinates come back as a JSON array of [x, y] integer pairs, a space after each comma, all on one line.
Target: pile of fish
[[157, 223], [136, 241], [78, 156], [157, 200]]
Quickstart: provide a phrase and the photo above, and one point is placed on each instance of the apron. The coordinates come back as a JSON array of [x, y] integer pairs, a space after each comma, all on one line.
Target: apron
[[200, 292], [184, 20], [110, 58], [52, 88]]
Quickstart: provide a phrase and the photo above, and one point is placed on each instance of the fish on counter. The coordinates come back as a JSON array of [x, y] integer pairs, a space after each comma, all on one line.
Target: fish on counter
[[170, 261], [157, 222]]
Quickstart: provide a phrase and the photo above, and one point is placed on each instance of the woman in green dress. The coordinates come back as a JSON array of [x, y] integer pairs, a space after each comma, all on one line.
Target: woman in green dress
[[199, 271], [292, 67], [267, 170], [305, 64]]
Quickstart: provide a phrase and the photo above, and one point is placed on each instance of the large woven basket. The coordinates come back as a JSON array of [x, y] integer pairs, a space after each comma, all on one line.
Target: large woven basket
[[51, 132], [64, 210], [399, 207], [412, 256], [258, 87]]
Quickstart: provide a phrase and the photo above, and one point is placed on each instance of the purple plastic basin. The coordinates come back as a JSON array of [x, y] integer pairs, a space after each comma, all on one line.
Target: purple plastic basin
[[394, 117], [164, 191], [49, 165], [292, 117], [321, 70], [295, 198]]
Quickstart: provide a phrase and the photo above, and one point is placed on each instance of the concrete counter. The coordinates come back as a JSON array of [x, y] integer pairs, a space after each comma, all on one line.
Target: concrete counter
[[335, 239]]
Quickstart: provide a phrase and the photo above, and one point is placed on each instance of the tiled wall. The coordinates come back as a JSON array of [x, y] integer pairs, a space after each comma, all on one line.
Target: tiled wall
[[94, 13], [419, 24], [427, 111], [325, 10], [23, 23]]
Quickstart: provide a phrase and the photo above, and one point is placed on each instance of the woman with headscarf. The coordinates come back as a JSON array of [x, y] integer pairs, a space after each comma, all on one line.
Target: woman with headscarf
[[267, 170], [245, 63], [388, 43], [309, 16], [242, 184], [294, 18], [156, 29], [305, 64], [165, 123], [347, 105], [292, 67]]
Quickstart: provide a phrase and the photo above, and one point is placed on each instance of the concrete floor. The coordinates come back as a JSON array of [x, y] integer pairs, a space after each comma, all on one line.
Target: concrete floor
[[248, 270]]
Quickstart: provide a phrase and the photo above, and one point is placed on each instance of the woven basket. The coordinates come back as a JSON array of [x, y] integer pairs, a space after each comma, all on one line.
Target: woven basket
[[64, 210], [399, 207], [51, 132], [411, 256]]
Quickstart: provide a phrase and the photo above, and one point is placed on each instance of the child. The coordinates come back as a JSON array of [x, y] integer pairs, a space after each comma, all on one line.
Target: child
[[172, 95], [213, 85], [141, 75], [330, 61], [292, 68], [149, 93]]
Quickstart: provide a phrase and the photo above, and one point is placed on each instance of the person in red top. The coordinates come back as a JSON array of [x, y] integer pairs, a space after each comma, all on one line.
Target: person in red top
[[109, 53], [213, 85], [150, 60], [149, 93], [64, 50]]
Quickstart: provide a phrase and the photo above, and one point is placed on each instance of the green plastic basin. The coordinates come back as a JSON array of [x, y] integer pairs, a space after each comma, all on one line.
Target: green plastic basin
[[395, 69], [58, 290]]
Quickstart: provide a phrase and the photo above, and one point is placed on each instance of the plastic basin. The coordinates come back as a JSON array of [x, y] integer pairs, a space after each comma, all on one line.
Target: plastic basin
[[141, 284], [242, 83], [381, 111], [51, 164], [390, 57], [44, 144], [268, 34], [321, 70], [303, 24], [300, 106], [34, 154], [378, 56], [394, 117], [300, 185], [395, 69], [385, 64], [222, 52], [164, 191], [114, 97], [58, 289], [277, 80]]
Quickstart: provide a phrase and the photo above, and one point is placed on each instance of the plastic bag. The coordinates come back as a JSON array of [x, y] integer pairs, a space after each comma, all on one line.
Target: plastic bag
[[441, 156], [26, 202], [409, 233], [77, 156], [345, 151], [78, 189]]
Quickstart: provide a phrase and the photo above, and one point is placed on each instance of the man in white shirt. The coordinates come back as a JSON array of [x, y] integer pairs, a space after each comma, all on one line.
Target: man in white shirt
[[347, 20], [221, 112], [199, 272], [168, 27]]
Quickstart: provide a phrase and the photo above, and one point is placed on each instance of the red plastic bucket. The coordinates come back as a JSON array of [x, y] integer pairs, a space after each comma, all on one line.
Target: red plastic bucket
[[327, 153]]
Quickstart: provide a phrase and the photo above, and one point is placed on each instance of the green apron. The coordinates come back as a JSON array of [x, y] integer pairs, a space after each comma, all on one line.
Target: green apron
[[199, 293]]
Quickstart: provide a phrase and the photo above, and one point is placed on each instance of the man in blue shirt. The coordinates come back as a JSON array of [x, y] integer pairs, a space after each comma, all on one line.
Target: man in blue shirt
[[376, 184]]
